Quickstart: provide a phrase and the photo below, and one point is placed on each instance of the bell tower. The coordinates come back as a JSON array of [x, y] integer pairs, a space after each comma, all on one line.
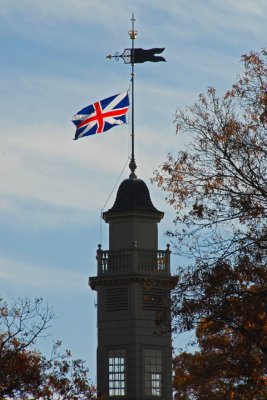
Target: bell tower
[[134, 358]]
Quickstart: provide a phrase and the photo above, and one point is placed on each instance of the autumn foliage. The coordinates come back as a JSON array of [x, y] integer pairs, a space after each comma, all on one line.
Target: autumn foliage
[[228, 313], [218, 187], [24, 372]]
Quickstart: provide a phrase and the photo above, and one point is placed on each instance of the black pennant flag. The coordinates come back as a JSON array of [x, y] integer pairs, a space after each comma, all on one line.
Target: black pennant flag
[[141, 55]]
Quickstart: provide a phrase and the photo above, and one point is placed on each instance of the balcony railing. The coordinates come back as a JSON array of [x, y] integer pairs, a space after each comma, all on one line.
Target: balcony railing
[[133, 261]]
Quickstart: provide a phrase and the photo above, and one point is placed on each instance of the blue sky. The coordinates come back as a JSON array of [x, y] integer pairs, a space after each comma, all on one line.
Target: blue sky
[[52, 189]]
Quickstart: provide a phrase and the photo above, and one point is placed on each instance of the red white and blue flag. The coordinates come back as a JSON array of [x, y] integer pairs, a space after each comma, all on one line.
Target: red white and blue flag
[[102, 115]]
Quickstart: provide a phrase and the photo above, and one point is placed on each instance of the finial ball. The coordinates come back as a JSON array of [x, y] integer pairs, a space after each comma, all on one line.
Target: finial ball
[[132, 34]]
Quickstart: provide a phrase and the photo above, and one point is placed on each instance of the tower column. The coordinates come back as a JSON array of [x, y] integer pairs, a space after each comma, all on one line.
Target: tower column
[[134, 354]]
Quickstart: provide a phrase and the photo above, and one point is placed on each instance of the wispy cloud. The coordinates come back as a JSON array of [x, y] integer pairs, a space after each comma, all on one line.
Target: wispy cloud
[[257, 7], [28, 15], [54, 175], [208, 17], [25, 274]]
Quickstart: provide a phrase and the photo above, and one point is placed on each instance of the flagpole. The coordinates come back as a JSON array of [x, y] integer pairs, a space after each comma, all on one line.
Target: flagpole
[[133, 56], [132, 164]]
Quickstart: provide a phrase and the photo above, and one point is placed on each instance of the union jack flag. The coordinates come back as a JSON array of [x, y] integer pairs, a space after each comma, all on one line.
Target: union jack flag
[[102, 115]]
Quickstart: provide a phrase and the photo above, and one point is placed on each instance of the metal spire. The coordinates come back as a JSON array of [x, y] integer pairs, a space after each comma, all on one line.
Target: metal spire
[[133, 56], [132, 164], [128, 57]]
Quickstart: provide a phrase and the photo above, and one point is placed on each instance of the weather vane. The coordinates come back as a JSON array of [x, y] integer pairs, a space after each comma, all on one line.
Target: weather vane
[[134, 56]]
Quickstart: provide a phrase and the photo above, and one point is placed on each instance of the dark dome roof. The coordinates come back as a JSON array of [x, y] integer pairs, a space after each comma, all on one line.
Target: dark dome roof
[[133, 195]]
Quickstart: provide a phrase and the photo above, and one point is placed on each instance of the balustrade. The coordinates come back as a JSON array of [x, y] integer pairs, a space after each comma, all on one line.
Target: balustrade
[[133, 260]]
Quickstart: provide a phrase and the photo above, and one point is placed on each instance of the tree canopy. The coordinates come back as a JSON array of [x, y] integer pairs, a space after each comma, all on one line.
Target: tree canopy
[[218, 187], [27, 374]]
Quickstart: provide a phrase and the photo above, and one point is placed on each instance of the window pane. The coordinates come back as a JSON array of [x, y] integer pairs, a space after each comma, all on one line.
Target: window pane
[[153, 372], [117, 374]]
